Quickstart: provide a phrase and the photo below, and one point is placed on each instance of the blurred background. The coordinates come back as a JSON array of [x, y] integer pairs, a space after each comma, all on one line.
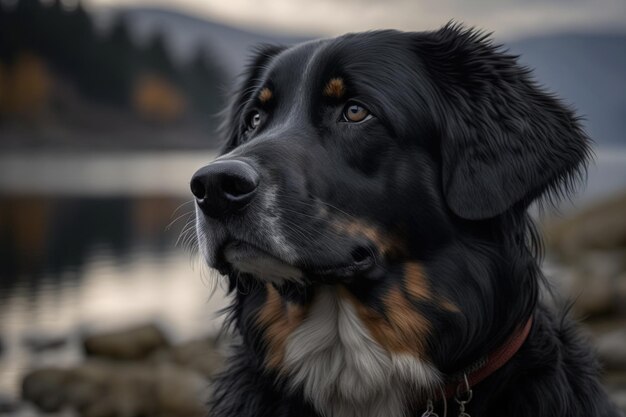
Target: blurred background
[[108, 106]]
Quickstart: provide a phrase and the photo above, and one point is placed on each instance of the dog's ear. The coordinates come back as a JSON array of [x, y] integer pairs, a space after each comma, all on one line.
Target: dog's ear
[[504, 140], [231, 117]]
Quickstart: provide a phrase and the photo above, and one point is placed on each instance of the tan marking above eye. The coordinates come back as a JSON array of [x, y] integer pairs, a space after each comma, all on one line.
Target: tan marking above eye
[[335, 88], [265, 95]]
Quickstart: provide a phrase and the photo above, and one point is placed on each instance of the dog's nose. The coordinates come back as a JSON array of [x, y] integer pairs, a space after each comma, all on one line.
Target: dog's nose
[[224, 187]]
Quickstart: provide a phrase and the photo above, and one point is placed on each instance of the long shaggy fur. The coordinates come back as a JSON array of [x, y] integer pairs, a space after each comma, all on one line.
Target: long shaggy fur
[[409, 232]]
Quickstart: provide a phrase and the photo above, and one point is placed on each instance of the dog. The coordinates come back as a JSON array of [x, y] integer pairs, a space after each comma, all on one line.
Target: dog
[[370, 211]]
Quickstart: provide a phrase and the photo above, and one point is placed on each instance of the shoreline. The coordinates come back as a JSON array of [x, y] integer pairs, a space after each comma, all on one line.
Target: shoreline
[[100, 174], [162, 172]]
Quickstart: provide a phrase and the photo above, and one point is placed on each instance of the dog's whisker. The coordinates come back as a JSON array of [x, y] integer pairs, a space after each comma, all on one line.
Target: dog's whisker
[[181, 206], [188, 230], [170, 224], [191, 241]]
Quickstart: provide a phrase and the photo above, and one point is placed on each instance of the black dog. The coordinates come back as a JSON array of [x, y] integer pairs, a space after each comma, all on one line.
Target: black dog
[[370, 212]]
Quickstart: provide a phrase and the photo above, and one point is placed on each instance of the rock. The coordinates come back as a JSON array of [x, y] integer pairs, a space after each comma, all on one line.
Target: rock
[[168, 381], [595, 282], [130, 344], [601, 227], [181, 393], [201, 355], [619, 398], [612, 349], [45, 388], [41, 343], [108, 389], [7, 405], [620, 291]]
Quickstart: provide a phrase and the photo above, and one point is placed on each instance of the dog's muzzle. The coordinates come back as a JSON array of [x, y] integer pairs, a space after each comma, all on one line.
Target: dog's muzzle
[[225, 191]]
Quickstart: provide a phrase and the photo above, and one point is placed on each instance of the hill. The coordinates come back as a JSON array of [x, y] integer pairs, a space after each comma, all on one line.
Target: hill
[[586, 69], [154, 78], [589, 72]]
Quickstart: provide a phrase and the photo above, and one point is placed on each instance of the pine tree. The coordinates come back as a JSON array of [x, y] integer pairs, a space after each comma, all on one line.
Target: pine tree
[[203, 78]]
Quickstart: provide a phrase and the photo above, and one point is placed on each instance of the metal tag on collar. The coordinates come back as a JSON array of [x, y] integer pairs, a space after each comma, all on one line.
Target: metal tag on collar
[[430, 410], [463, 397]]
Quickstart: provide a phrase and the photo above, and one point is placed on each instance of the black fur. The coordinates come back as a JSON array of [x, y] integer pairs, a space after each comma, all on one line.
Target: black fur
[[462, 141]]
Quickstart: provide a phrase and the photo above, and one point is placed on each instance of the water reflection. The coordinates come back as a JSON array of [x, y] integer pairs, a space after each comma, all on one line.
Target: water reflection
[[52, 236], [74, 264]]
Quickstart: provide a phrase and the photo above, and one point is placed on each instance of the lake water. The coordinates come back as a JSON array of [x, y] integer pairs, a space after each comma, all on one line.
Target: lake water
[[84, 247]]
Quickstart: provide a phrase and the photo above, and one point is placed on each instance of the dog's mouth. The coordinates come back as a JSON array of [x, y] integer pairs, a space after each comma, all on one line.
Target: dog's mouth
[[244, 257], [247, 258], [363, 259]]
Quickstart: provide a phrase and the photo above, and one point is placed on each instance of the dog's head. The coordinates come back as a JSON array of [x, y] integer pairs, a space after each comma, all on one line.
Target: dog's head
[[344, 152], [388, 161]]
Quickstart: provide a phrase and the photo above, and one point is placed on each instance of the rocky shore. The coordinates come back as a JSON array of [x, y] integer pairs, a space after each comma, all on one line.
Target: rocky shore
[[132, 372], [586, 267], [140, 372]]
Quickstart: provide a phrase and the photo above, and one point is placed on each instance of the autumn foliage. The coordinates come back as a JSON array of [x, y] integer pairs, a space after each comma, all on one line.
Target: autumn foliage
[[24, 87], [156, 99], [41, 39]]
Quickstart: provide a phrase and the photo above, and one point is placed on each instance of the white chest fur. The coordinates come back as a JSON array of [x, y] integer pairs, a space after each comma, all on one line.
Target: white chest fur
[[342, 369]]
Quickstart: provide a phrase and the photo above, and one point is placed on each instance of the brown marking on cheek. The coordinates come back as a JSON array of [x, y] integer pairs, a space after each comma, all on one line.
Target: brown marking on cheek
[[402, 330], [418, 288], [449, 306], [415, 281], [322, 211], [278, 319], [386, 244], [335, 88], [410, 327], [265, 95]]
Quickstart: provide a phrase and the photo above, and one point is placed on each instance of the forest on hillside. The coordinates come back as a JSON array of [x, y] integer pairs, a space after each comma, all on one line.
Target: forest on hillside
[[65, 84]]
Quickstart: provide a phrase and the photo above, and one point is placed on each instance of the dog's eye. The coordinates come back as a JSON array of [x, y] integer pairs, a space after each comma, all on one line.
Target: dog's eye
[[254, 120], [355, 113]]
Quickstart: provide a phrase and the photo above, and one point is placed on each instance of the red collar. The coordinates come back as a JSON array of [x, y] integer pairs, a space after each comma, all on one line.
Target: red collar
[[494, 361]]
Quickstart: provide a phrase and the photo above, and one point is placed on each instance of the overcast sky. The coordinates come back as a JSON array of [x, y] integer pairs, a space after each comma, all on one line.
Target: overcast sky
[[507, 18]]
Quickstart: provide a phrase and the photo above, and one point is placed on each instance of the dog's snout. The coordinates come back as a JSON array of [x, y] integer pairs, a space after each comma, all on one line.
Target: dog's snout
[[224, 187]]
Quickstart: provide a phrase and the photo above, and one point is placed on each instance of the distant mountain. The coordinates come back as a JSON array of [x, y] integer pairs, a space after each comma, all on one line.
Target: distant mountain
[[159, 70], [589, 72], [186, 34]]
